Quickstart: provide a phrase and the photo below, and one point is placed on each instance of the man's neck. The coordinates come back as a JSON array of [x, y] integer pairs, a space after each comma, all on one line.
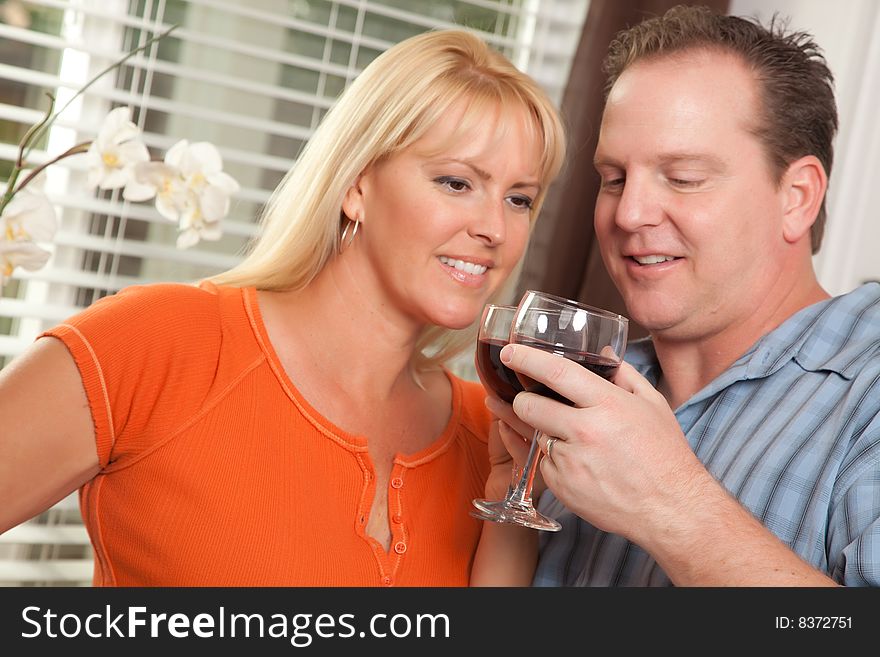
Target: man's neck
[[689, 365]]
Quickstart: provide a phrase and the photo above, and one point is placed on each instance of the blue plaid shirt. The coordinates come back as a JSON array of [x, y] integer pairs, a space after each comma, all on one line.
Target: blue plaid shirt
[[791, 429]]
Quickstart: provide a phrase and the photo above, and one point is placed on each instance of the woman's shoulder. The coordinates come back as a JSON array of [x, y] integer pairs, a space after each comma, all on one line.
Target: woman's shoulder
[[175, 323], [151, 355], [163, 297], [474, 415], [169, 309]]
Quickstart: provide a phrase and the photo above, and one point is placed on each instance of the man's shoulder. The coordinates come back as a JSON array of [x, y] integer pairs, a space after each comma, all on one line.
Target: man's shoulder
[[844, 336]]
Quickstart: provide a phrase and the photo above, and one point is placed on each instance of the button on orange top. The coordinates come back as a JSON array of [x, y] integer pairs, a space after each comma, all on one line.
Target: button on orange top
[[397, 482], [386, 580], [400, 547], [397, 518]]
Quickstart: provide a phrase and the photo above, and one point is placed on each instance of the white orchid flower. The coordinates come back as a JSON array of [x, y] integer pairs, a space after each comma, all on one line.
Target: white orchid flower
[[115, 151], [195, 226], [20, 254], [159, 180], [202, 169], [28, 218], [190, 188]]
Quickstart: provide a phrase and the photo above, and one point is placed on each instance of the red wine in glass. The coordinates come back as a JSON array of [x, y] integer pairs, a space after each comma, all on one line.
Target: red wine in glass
[[601, 365], [493, 373], [495, 376]]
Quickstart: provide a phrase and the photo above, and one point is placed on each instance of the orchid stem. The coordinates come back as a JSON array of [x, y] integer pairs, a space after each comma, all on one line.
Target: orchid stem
[[19, 161], [36, 131], [29, 135], [49, 120], [73, 150]]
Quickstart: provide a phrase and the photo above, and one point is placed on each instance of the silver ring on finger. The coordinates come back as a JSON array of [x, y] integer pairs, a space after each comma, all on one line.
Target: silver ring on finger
[[549, 447]]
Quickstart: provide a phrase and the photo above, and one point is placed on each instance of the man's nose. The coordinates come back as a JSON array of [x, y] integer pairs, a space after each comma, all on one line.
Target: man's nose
[[639, 205]]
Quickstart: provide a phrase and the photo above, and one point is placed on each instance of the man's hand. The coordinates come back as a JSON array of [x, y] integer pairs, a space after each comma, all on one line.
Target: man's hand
[[620, 459], [621, 462]]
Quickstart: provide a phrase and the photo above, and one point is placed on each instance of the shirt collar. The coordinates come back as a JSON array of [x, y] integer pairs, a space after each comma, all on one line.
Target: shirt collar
[[832, 335]]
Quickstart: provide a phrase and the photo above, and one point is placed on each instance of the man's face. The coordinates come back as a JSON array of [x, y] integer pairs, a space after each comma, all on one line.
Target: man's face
[[689, 216]]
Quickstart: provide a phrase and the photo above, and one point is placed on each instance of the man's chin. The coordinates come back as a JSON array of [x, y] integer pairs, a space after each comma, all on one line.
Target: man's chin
[[654, 315]]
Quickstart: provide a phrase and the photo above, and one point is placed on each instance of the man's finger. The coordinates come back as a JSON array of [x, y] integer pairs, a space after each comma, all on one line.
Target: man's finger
[[564, 376]]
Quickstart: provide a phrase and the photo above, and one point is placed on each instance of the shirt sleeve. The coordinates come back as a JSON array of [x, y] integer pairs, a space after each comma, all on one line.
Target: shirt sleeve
[[853, 540], [146, 355], [475, 415]]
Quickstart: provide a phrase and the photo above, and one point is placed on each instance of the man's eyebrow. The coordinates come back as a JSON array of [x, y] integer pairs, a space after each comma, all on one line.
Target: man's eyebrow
[[691, 156], [599, 161], [668, 158]]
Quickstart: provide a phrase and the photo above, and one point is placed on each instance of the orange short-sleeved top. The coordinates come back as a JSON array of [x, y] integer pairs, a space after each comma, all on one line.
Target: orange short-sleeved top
[[215, 471]]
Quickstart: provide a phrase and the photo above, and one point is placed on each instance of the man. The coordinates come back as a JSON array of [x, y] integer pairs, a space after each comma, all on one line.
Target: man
[[714, 150]]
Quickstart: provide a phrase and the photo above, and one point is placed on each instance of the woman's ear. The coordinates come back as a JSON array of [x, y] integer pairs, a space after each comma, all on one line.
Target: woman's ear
[[804, 185], [353, 201]]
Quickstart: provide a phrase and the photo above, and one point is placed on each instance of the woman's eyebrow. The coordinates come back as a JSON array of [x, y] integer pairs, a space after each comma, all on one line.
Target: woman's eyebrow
[[485, 175]]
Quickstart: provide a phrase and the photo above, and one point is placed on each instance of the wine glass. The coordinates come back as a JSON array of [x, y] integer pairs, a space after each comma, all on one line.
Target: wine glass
[[496, 376], [493, 335], [591, 337]]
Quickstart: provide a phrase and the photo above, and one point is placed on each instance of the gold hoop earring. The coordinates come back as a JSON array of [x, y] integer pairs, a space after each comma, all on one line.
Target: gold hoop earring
[[342, 243]]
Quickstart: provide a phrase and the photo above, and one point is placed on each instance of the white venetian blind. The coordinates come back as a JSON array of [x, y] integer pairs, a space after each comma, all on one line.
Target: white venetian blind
[[252, 78]]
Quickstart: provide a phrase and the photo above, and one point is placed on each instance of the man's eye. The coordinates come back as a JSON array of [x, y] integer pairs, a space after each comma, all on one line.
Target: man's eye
[[682, 182], [613, 183]]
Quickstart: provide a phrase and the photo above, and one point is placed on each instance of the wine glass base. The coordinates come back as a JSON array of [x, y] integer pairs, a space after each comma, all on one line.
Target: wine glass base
[[504, 511]]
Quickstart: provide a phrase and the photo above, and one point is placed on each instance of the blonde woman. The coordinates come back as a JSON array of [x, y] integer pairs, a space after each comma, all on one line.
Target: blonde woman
[[290, 421]]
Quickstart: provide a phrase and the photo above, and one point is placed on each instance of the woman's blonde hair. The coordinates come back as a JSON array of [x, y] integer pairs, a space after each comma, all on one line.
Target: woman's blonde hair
[[390, 105]]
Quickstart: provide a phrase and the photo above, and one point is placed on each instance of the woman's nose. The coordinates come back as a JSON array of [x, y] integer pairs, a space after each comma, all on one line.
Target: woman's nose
[[490, 223]]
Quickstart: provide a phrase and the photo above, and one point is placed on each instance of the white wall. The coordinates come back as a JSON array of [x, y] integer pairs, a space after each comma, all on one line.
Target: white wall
[[849, 33]]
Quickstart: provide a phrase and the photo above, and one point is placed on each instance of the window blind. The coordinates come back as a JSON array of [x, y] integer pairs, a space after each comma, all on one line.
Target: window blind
[[254, 79]]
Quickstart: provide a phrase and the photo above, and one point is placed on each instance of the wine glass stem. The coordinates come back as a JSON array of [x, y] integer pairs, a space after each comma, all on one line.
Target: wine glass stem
[[515, 475], [522, 494]]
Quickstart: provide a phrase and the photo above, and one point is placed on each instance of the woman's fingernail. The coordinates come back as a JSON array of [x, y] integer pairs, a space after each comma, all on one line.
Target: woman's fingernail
[[506, 353]]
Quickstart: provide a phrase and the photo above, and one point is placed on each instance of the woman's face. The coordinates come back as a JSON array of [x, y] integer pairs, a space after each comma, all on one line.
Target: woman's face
[[446, 220]]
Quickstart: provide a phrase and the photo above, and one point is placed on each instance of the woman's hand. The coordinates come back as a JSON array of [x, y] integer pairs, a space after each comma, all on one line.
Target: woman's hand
[[509, 442]]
